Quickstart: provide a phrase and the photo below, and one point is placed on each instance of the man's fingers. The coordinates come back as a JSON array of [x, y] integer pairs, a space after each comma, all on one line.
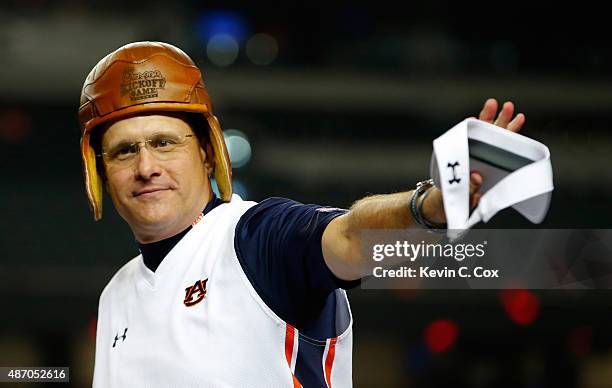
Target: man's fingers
[[474, 199], [504, 120], [517, 123], [488, 111], [505, 115], [475, 181]]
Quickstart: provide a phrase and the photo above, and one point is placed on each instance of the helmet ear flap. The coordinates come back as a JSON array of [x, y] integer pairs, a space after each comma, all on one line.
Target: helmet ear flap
[[222, 167], [93, 182], [95, 142]]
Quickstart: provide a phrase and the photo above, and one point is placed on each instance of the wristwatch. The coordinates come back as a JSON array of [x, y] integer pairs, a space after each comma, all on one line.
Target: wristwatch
[[422, 189]]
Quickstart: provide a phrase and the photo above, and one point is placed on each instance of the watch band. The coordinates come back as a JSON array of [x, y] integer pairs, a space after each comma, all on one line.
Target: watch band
[[422, 189]]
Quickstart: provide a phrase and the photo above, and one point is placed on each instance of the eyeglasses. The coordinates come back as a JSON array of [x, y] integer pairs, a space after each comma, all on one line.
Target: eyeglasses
[[161, 146]]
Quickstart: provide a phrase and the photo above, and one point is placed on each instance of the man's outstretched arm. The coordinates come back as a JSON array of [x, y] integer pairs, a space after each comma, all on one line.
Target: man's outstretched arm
[[341, 242]]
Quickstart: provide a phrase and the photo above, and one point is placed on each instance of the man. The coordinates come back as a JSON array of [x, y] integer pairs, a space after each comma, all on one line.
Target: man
[[225, 292]]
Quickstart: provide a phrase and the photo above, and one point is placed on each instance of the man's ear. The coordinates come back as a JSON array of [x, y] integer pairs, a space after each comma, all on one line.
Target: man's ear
[[209, 158]]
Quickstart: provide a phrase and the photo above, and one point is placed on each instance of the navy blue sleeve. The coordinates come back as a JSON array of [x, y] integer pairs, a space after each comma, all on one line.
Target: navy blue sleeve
[[278, 244]]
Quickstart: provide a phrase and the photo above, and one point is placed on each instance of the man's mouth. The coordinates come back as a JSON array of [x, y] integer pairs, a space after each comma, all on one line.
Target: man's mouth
[[148, 191]]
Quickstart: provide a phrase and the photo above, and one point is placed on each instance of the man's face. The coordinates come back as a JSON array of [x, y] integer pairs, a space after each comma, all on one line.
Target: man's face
[[157, 193]]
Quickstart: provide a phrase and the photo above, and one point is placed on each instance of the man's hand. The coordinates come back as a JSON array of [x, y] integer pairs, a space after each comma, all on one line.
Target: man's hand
[[433, 208]]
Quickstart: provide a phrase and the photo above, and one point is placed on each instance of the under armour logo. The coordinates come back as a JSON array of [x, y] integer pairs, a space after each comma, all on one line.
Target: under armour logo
[[455, 179], [194, 294], [117, 336]]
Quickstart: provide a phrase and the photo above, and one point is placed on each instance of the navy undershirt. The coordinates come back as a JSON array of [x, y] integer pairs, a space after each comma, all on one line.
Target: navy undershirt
[[278, 244]]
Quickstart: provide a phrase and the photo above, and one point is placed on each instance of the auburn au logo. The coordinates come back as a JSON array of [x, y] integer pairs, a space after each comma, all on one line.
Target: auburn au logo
[[194, 294]]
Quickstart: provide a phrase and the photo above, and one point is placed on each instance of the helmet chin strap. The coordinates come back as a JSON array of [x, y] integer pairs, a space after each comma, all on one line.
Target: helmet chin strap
[[516, 172]]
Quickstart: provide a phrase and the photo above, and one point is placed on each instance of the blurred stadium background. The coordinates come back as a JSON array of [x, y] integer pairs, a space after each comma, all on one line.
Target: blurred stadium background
[[327, 102]]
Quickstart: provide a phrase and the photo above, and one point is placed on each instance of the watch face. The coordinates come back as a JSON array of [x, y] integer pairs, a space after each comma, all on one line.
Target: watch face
[[424, 184]]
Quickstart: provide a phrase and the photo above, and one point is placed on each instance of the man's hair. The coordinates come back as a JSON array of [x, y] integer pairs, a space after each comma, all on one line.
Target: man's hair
[[196, 121]]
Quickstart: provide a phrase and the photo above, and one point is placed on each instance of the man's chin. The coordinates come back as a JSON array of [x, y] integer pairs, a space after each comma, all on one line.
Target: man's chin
[[154, 221], [149, 210], [158, 219]]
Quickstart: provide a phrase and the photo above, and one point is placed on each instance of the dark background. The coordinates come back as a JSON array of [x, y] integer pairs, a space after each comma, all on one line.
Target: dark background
[[348, 107]]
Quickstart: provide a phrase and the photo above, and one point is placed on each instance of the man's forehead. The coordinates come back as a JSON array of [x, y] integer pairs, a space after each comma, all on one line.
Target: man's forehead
[[145, 124]]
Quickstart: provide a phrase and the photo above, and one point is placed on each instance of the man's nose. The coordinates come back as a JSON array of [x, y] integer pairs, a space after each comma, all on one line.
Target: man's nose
[[147, 166]]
